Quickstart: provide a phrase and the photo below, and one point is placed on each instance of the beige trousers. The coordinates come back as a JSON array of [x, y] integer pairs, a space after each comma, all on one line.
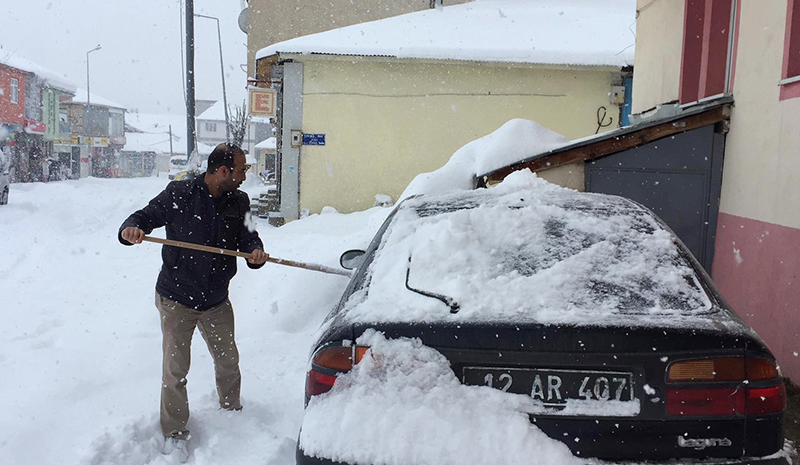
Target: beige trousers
[[177, 327]]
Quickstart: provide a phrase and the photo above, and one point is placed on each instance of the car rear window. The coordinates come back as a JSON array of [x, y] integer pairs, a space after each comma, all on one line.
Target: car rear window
[[532, 253]]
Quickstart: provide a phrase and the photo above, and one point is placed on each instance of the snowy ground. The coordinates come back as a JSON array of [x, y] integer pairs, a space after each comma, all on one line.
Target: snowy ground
[[80, 357]]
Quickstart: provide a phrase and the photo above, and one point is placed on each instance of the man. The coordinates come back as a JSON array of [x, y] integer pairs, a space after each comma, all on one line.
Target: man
[[192, 288]]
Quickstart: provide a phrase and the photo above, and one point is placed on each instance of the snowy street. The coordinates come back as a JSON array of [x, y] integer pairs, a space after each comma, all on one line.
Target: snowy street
[[81, 357], [400, 232]]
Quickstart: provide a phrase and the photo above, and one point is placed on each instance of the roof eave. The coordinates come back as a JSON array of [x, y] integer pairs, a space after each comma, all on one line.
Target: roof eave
[[279, 56], [619, 139]]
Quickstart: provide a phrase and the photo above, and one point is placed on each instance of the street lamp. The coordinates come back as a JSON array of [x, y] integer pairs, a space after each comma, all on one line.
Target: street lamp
[[222, 69], [88, 94], [88, 108]]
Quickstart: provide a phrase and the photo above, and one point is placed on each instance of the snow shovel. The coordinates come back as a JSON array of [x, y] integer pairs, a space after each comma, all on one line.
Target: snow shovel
[[279, 261]]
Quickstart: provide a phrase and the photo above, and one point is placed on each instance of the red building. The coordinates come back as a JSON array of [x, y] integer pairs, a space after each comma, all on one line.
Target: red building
[[12, 96]]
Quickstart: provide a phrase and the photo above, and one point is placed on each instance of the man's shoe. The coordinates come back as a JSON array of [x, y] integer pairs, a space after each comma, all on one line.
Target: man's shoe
[[172, 444]]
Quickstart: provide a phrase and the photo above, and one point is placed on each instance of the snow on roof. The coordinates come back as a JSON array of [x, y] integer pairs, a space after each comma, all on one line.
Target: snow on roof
[[52, 78], [270, 143], [260, 119], [144, 142], [215, 112], [159, 143], [575, 32], [151, 122], [80, 97], [569, 257]]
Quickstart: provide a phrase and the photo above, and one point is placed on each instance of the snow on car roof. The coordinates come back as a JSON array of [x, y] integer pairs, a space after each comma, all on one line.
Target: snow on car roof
[[527, 251]]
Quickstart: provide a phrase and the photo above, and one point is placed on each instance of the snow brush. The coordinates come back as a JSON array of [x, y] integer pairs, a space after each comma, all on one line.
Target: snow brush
[[217, 250]]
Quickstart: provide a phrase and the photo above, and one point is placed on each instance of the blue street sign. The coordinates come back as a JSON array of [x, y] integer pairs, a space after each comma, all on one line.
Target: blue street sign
[[313, 139]]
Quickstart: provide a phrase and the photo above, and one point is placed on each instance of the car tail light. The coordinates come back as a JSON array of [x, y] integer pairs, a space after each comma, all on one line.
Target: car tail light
[[759, 369], [727, 401], [734, 400], [709, 369], [329, 362], [761, 401]]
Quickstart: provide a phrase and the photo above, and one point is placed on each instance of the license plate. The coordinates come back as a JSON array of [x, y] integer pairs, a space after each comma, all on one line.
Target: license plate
[[554, 387]]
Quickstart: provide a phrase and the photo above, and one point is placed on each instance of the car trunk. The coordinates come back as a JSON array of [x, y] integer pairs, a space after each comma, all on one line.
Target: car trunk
[[623, 365]]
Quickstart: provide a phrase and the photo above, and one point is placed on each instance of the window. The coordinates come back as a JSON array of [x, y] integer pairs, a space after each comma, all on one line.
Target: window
[[790, 74], [14, 90], [116, 124], [706, 30], [211, 127]]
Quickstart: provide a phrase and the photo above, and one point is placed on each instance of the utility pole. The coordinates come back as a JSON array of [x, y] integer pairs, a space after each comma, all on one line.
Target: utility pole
[[222, 69], [86, 112], [170, 142], [190, 129]]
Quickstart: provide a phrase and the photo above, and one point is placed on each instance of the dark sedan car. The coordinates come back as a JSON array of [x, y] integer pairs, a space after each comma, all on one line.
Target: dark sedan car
[[587, 303]]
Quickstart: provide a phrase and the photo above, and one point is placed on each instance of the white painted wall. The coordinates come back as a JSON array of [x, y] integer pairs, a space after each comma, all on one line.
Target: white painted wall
[[659, 42], [761, 177]]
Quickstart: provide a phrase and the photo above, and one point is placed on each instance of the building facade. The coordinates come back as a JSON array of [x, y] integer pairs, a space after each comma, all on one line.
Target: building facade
[[691, 50], [98, 134], [211, 128], [364, 109], [12, 115], [31, 113]]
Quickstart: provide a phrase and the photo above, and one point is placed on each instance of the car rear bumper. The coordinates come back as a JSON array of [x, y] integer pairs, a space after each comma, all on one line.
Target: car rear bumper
[[303, 459]]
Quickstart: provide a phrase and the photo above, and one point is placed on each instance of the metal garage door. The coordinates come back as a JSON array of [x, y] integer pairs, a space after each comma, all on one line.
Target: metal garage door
[[678, 177]]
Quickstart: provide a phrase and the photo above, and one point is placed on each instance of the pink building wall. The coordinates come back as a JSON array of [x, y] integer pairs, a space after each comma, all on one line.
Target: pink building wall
[[757, 269]]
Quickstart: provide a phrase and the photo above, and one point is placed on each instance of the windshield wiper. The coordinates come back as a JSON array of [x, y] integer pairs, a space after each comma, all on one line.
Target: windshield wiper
[[450, 302]]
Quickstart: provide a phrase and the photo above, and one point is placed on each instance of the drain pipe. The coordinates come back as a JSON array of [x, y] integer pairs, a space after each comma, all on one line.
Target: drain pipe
[[731, 42]]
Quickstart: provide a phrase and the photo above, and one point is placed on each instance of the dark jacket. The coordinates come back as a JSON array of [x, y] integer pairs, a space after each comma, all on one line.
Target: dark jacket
[[193, 278]]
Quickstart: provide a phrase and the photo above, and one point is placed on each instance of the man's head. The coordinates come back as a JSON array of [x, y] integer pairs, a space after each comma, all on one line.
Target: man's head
[[227, 167]]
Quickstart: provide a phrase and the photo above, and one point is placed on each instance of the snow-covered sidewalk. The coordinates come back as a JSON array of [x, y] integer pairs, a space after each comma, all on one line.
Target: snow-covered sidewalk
[[80, 356]]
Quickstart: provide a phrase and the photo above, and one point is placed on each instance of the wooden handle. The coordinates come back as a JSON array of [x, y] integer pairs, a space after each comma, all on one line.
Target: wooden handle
[[234, 253], [204, 248]]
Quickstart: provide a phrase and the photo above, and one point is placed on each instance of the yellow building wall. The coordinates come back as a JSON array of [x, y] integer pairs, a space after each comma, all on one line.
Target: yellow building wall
[[761, 178], [572, 176], [387, 121], [657, 63]]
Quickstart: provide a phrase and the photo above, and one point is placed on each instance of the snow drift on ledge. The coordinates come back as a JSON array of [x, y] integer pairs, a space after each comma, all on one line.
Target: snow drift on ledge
[[512, 142]]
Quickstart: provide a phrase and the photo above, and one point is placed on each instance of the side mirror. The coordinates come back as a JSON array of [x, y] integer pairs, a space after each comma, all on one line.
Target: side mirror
[[351, 259]]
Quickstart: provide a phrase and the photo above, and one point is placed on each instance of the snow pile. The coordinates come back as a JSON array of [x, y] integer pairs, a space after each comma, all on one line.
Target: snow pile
[[270, 143], [575, 32], [383, 200], [530, 251], [82, 357], [512, 142], [426, 416]]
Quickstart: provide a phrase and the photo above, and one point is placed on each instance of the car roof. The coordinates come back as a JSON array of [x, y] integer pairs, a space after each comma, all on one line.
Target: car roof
[[528, 251]]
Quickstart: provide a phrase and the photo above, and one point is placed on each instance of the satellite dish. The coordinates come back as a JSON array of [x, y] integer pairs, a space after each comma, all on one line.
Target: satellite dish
[[243, 20]]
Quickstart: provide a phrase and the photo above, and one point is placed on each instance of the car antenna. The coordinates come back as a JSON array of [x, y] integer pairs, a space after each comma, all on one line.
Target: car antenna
[[454, 306]]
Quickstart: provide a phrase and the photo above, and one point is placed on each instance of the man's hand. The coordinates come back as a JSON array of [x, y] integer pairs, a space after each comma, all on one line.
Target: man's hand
[[258, 257], [133, 235]]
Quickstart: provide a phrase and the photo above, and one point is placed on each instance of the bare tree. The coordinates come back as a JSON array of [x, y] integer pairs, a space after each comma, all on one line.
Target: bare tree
[[238, 124]]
